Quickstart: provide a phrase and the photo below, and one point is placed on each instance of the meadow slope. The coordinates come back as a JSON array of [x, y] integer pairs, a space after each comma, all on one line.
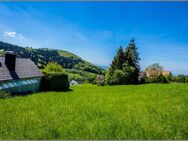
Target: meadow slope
[[153, 111]]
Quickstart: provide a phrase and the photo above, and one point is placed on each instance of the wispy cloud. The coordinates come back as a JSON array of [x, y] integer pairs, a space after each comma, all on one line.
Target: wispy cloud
[[9, 34], [13, 34]]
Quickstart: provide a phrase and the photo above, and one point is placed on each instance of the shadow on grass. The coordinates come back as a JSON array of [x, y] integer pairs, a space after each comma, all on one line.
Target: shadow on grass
[[7, 95]]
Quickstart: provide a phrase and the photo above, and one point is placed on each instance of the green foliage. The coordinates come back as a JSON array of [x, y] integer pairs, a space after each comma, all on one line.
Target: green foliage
[[119, 59], [186, 79], [129, 74], [55, 78], [156, 79], [154, 70], [83, 76], [1, 52], [117, 78], [4, 94], [42, 56], [120, 77], [179, 79], [125, 67], [132, 57], [88, 112], [53, 67], [55, 81]]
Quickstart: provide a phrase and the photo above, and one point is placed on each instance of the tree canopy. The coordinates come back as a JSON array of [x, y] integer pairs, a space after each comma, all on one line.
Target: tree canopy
[[125, 66]]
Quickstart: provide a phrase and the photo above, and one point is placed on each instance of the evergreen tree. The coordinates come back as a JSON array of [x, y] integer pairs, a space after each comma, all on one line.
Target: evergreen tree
[[119, 59], [125, 66], [132, 57]]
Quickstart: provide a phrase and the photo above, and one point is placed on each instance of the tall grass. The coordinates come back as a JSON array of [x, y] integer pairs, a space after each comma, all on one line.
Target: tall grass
[[153, 111]]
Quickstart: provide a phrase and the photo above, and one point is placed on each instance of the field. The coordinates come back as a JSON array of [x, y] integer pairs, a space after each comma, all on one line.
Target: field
[[153, 111]]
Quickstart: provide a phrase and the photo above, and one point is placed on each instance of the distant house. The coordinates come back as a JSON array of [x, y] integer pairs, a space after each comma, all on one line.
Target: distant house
[[163, 73], [166, 73], [18, 75], [73, 82], [100, 79]]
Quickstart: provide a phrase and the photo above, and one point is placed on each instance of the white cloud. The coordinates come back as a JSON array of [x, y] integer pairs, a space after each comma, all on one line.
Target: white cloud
[[12, 34]]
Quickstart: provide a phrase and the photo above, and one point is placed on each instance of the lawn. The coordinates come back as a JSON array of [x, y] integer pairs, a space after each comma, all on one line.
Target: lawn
[[153, 111]]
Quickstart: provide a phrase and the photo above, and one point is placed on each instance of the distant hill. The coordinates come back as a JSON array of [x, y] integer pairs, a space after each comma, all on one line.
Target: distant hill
[[42, 56]]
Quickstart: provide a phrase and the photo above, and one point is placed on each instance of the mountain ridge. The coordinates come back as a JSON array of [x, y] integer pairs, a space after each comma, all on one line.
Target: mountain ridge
[[41, 56]]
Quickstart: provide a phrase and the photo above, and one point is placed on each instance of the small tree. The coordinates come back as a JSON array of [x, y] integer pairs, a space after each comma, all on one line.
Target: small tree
[[180, 78], [119, 59], [154, 70], [53, 67], [125, 66], [132, 58], [129, 74]]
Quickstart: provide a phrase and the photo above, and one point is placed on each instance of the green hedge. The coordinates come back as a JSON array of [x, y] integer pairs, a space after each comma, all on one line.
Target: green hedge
[[55, 81], [159, 79]]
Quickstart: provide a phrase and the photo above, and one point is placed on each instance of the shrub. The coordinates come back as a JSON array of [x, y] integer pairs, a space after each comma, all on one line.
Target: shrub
[[53, 67], [180, 78], [54, 81], [4, 94], [117, 78], [164, 79], [186, 79], [157, 79]]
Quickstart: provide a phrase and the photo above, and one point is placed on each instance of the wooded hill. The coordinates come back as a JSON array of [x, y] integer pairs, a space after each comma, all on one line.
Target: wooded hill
[[42, 56]]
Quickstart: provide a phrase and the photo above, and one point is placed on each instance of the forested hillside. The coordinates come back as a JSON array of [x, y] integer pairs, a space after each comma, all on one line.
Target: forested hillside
[[44, 55]]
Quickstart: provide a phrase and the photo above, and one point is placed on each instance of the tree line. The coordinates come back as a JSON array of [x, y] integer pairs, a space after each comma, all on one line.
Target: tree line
[[125, 69]]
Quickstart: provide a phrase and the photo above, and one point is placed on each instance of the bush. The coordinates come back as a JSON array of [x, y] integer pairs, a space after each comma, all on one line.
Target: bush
[[53, 67], [186, 79], [164, 79], [117, 78], [54, 81], [180, 78], [4, 94], [157, 79]]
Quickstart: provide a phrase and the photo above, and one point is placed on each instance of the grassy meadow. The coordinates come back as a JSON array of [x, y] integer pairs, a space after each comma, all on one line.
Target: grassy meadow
[[152, 111]]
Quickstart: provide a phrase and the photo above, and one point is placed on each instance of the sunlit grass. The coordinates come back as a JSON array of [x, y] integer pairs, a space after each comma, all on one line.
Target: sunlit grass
[[156, 111]]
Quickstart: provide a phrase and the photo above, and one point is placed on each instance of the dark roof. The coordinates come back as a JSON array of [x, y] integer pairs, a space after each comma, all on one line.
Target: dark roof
[[25, 68]]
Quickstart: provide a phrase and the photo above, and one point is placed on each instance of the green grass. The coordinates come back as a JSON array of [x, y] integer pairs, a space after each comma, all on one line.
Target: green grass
[[155, 111], [67, 54]]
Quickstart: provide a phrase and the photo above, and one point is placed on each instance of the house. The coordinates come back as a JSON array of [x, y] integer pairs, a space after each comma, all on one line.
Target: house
[[18, 75], [73, 82], [166, 73], [158, 73], [100, 79]]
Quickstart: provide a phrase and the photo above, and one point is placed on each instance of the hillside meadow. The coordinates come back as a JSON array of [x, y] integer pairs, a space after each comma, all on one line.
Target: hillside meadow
[[151, 111]]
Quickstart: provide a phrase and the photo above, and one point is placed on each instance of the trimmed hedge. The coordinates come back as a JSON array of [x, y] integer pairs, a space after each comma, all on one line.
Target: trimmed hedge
[[54, 81]]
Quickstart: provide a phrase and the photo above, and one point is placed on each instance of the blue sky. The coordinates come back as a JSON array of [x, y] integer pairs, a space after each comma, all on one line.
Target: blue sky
[[95, 30]]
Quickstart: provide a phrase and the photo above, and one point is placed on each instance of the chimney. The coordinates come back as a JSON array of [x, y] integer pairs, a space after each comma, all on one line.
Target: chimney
[[10, 60]]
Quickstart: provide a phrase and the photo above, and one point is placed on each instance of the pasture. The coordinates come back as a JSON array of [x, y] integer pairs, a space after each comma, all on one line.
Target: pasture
[[150, 111]]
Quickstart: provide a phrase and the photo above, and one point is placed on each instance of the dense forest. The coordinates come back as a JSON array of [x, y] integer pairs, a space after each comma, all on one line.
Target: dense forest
[[42, 56]]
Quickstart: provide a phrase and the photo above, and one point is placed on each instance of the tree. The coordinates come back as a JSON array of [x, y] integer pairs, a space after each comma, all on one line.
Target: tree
[[181, 78], [117, 78], [132, 58], [126, 65], [53, 67], [119, 59], [154, 70], [129, 73]]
